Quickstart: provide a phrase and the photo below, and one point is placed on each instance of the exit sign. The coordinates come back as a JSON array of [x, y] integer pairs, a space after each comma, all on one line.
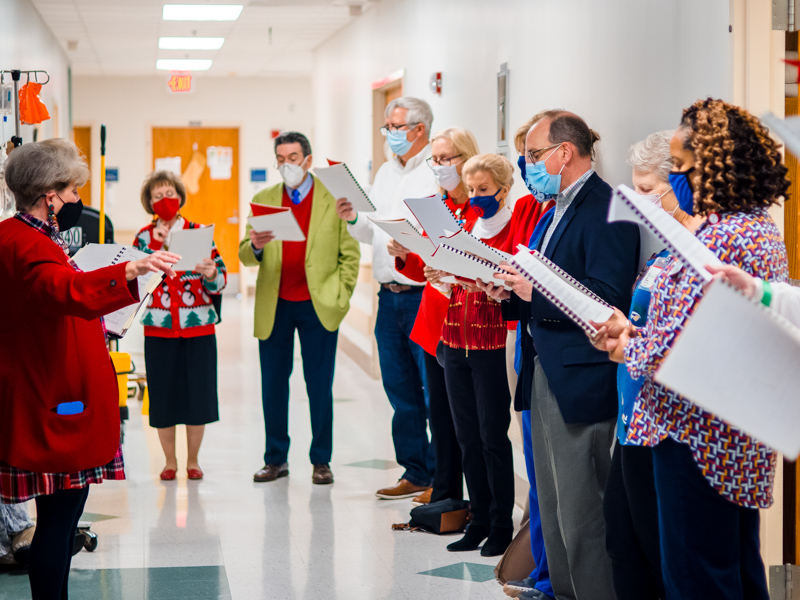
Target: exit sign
[[180, 83]]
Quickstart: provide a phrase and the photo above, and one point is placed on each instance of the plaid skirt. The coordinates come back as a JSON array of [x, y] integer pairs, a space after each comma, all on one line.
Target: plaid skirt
[[18, 485]]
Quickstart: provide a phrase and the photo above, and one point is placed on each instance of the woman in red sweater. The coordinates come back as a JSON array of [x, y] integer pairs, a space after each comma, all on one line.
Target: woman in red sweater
[[59, 417], [450, 150], [474, 336], [180, 344]]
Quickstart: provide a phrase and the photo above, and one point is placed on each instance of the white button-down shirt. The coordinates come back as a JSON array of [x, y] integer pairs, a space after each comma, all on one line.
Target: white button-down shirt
[[393, 184]]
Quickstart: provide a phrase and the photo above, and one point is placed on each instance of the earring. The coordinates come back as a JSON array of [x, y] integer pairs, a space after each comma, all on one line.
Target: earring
[[51, 216]]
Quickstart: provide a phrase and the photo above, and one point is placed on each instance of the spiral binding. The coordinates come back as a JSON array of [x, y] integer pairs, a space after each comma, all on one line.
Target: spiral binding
[[564, 275], [358, 185], [484, 263], [119, 255], [494, 250]]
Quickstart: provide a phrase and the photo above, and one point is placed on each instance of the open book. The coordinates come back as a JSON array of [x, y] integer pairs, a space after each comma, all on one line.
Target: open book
[[627, 205], [192, 245], [463, 265], [341, 182], [787, 129], [97, 256], [279, 220], [737, 359], [402, 231], [573, 298]]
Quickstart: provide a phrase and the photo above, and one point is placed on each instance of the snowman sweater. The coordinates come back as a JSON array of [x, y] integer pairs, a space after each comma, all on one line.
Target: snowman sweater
[[181, 306]]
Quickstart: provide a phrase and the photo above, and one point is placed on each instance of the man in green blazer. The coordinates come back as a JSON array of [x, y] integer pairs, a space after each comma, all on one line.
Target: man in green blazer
[[305, 287]]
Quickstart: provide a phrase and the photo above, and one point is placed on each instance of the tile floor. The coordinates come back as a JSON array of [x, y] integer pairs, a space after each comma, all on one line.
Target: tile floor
[[227, 537]]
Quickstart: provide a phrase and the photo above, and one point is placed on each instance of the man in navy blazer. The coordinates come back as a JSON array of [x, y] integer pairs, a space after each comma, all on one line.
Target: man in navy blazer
[[572, 385]]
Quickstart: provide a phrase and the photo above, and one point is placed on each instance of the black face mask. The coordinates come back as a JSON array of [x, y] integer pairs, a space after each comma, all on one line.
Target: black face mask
[[69, 214]]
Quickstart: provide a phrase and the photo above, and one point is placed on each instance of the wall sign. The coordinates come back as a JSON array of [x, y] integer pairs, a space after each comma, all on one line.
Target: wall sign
[[258, 175], [180, 83]]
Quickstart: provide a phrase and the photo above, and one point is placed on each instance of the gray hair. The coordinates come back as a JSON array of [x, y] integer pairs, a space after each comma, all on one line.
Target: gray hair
[[419, 111], [34, 169], [651, 155]]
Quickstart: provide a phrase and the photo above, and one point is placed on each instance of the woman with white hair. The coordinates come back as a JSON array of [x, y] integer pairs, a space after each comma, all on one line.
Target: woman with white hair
[[629, 504]]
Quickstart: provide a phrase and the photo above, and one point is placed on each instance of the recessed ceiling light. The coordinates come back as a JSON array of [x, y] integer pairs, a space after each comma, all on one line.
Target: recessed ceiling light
[[190, 43], [183, 64], [201, 12]]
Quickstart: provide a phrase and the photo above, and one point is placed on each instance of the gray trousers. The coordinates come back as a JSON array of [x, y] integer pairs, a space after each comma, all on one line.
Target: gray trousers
[[572, 463]]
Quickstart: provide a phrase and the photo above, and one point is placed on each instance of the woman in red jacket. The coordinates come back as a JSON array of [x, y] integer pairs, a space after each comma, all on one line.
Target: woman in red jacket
[[180, 344], [474, 336], [59, 418]]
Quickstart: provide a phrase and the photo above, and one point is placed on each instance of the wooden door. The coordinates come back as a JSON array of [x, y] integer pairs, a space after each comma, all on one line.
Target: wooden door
[[381, 96], [217, 199], [83, 140]]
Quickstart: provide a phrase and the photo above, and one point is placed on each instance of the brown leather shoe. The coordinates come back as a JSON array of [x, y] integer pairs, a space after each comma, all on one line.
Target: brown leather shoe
[[322, 475], [402, 489], [271, 473], [423, 498]]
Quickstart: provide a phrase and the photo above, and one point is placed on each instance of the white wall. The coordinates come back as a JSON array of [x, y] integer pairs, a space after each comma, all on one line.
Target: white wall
[[627, 66], [26, 43], [131, 106]]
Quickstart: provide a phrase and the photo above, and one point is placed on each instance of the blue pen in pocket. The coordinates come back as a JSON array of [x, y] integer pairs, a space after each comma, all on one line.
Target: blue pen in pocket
[[70, 408]]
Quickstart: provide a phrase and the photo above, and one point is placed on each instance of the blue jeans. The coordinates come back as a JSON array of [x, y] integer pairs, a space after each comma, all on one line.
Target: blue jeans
[[540, 573], [318, 349], [403, 371]]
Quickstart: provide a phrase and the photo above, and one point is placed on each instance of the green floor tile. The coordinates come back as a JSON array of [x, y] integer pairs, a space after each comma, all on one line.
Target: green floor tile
[[96, 517], [463, 571], [340, 400], [375, 463]]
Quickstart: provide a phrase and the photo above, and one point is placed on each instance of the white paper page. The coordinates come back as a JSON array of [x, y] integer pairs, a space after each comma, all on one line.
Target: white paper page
[[282, 224], [192, 245], [453, 261], [738, 359], [561, 292], [404, 233], [169, 163], [466, 242], [342, 184], [434, 217], [787, 129], [682, 241]]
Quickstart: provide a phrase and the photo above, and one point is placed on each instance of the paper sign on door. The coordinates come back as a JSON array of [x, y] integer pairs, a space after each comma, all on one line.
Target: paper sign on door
[[220, 161]]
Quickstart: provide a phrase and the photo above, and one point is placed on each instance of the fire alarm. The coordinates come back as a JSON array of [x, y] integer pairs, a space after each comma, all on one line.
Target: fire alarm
[[436, 83]]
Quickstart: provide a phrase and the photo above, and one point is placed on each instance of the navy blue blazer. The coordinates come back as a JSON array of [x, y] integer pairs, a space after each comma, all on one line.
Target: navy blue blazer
[[603, 257]]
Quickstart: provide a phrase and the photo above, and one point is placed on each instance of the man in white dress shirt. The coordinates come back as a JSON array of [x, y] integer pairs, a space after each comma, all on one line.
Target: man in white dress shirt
[[406, 175]]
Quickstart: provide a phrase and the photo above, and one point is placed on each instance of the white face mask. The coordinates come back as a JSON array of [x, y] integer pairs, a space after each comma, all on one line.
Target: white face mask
[[447, 177], [293, 175], [656, 200]]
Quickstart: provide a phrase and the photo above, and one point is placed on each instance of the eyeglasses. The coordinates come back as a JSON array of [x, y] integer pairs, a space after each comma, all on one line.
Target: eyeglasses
[[441, 162], [387, 128], [535, 155]]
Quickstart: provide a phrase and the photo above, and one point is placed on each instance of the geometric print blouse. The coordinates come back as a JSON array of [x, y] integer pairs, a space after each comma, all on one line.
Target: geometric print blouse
[[737, 466]]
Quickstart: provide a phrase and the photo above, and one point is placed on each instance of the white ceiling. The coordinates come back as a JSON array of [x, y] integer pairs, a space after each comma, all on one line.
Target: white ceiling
[[120, 37]]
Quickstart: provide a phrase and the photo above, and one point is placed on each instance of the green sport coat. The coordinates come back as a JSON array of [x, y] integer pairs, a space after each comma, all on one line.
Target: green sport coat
[[332, 262]]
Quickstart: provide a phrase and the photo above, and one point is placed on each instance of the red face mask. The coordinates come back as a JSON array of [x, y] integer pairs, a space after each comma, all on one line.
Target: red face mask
[[167, 207]]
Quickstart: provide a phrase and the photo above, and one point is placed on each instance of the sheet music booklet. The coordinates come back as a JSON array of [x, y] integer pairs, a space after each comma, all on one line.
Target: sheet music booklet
[[407, 235], [627, 205], [96, 256], [341, 183], [193, 245], [463, 265], [573, 298], [280, 220], [737, 358]]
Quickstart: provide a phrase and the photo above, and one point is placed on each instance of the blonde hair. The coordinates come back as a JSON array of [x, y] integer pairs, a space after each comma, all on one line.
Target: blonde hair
[[464, 143], [498, 167], [157, 178]]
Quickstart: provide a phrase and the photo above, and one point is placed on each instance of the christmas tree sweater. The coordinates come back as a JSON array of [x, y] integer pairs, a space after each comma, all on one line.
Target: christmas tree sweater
[[181, 306]]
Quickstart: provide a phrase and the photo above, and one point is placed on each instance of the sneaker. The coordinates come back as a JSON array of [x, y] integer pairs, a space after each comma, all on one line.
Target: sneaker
[[515, 587], [402, 489]]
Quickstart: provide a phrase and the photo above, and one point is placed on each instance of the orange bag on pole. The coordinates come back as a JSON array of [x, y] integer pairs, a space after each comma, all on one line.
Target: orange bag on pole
[[31, 109]]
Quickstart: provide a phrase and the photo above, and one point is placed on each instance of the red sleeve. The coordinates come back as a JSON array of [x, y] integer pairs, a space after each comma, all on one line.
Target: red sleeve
[[412, 267]]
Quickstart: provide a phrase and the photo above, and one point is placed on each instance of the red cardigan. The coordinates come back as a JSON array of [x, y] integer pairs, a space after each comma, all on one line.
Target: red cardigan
[[52, 350]]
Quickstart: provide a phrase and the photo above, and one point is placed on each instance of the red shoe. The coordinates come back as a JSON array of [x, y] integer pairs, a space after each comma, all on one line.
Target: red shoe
[[168, 474], [194, 473]]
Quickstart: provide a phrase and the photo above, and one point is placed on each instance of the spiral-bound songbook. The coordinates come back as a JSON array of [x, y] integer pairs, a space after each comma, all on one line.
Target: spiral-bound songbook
[[627, 205], [97, 256], [463, 265], [570, 296], [737, 358], [435, 218], [341, 182], [404, 233]]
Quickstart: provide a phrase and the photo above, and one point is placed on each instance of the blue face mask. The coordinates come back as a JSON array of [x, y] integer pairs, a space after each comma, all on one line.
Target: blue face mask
[[537, 178], [485, 206], [682, 186], [539, 196], [398, 142]]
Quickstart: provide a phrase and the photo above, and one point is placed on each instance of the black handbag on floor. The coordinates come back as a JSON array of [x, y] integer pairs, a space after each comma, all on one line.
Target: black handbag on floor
[[444, 516]]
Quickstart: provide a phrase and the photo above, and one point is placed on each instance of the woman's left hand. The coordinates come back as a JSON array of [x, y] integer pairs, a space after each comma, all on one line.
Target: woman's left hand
[[207, 268]]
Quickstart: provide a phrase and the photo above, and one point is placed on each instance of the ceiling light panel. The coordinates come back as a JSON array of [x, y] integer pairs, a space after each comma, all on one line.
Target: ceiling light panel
[[201, 12], [190, 43], [183, 64]]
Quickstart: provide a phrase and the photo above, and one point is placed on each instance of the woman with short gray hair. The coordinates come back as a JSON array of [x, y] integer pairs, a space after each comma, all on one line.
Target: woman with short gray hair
[[59, 417]]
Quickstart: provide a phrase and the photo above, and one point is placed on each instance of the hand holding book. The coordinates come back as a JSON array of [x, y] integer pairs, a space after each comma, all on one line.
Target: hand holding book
[[152, 263]]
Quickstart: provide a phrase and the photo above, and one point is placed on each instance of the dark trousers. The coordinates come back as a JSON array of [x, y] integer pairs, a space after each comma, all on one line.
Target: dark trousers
[[57, 517], [630, 507], [318, 349], [403, 373], [709, 545], [448, 477], [477, 386]]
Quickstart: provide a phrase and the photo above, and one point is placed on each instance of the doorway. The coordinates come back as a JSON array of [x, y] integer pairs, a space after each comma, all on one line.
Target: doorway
[[211, 197], [383, 93], [83, 140]]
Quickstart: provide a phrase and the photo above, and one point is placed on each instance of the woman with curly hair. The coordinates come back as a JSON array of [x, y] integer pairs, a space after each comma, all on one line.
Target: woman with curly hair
[[711, 478]]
